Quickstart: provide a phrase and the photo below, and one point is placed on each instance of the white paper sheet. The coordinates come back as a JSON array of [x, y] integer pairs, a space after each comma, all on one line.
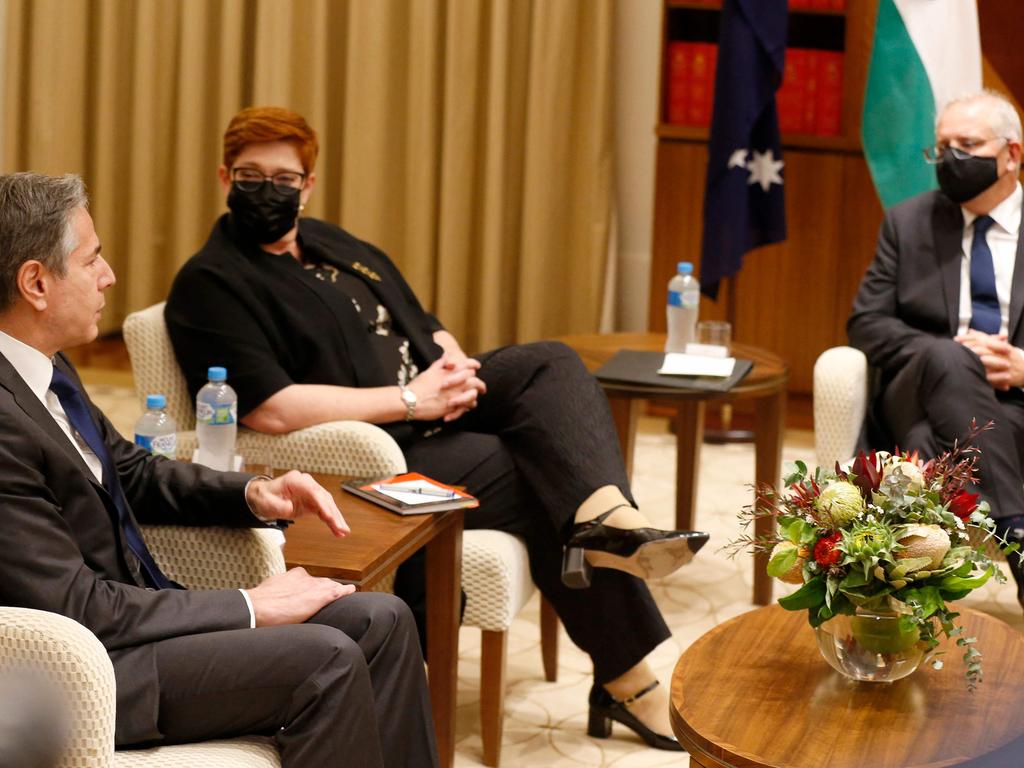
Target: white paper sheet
[[411, 497], [679, 364]]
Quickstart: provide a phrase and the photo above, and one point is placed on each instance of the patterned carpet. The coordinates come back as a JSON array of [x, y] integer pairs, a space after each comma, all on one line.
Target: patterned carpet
[[545, 722]]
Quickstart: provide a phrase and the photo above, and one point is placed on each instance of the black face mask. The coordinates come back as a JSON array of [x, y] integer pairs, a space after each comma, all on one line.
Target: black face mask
[[963, 176], [265, 215]]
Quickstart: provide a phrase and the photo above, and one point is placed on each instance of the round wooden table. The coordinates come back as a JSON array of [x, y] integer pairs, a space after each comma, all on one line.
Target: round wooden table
[[765, 385], [754, 691]]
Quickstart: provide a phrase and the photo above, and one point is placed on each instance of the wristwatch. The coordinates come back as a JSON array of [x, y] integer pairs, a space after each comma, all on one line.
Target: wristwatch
[[409, 398]]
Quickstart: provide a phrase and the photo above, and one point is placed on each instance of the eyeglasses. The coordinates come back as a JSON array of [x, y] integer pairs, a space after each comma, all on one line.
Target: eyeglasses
[[964, 149], [250, 180]]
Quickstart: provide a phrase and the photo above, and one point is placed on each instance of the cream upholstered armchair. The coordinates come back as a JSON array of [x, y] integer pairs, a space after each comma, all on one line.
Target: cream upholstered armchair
[[67, 654], [495, 570], [840, 403]]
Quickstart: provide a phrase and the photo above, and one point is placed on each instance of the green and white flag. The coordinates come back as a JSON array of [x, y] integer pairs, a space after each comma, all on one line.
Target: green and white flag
[[926, 52]]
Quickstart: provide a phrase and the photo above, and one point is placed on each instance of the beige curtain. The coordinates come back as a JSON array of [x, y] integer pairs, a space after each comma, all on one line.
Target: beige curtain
[[470, 139]]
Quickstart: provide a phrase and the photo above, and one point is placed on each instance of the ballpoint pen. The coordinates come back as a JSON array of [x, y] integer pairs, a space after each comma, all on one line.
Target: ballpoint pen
[[438, 492]]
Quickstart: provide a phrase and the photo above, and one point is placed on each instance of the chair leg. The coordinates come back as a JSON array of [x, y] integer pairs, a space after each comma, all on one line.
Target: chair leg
[[549, 639], [492, 693]]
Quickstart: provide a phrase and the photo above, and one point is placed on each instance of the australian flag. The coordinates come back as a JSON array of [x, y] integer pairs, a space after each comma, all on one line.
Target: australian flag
[[743, 201]]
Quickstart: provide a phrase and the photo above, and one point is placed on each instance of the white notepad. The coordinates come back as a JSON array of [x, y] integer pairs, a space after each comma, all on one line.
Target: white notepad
[[679, 364]]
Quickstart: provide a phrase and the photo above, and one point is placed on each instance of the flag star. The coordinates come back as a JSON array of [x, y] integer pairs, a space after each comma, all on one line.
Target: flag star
[[764, 169], [738, 159]]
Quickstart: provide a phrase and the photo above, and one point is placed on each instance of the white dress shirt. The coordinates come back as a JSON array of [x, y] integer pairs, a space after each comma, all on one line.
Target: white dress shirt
[[1002, 241], [36, 369]]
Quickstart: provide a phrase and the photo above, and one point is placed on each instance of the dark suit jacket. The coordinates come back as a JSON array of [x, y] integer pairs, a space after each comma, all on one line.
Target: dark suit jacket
[[911, 292], [64, 550], [271, 325]]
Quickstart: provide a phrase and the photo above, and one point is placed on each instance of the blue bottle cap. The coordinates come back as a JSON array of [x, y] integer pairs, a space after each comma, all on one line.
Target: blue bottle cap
[[155, 401], [216, 373], [684, 268]]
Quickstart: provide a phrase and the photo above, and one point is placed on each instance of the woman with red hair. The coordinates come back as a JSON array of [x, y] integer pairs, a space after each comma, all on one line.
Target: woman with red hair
[[315, 325]]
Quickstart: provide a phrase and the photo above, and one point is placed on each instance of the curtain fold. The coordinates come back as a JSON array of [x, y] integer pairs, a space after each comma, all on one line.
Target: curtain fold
[[470, 139]]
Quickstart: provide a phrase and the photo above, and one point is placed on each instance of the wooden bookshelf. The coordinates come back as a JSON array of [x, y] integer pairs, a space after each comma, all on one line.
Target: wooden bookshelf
[[794, 297]]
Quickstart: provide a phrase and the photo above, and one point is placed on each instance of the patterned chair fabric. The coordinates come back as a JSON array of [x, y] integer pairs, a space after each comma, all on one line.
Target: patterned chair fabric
[[840, 403], [495, 570]]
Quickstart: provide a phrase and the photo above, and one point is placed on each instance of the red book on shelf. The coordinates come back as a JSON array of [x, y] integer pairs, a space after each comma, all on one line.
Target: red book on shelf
[[820, 5], [788, 97], [837, 5], [702, 83], [809, 103], [830, 92], [677, 77]]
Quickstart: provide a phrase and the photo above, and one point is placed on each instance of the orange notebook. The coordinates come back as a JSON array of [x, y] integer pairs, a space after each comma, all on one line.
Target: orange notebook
[[411, 494]]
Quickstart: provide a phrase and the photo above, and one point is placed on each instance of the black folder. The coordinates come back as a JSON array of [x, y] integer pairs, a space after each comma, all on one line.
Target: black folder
[[632, 366]]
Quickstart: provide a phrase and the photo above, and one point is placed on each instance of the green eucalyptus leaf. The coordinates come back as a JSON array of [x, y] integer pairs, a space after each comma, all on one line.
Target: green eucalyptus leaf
[[782, 561], [810, 595], [953, 583]]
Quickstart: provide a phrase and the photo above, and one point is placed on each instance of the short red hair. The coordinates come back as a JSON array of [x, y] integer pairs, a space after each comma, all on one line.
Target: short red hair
[[257, 124]]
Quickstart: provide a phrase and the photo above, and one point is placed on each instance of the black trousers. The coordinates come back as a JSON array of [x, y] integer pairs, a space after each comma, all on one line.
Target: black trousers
[[536, 446], [930, 403], [345, 688]]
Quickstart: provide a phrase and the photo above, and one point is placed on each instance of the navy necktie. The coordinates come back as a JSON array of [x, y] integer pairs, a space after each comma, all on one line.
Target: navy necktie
[[985, 314], [74, 405]]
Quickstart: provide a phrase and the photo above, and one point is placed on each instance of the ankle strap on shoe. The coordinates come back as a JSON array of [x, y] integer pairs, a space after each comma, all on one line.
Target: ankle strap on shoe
[[604, 515], [630, 700]]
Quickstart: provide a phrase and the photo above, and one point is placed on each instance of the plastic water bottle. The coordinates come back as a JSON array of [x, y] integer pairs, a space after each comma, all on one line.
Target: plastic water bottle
[[216, 421], [683, 305], [155, 430]]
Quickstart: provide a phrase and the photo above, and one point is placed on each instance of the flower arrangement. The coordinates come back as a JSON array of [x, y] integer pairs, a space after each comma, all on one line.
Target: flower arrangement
[[889, 534]]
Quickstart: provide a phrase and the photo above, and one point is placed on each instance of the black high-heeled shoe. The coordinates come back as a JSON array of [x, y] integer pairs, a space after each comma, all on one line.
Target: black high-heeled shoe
[[649, 553], [604, 708]]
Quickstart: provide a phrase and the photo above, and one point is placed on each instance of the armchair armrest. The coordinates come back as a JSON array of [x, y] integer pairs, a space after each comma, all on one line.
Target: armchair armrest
[[215, 557], [337, 447], [840, 403], [70, 656]]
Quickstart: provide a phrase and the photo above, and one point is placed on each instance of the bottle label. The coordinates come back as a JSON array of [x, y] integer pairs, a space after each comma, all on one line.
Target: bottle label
[[165, 445], [675, 299], [216, 414], [159, 445]]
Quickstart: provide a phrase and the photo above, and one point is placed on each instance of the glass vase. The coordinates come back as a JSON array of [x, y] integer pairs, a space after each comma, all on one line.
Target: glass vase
[[870, 646]]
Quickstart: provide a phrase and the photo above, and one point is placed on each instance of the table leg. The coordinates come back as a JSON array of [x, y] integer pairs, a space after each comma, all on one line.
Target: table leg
[[689, 435], [444, 580], [769, 428], [625, 412]]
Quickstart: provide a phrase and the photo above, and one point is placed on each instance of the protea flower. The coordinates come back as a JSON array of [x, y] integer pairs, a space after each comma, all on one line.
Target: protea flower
[[924, 541], [839, 504]]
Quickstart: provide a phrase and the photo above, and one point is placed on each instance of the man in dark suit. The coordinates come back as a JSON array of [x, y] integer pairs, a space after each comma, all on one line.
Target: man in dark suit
[[336, 678], [939, 311]]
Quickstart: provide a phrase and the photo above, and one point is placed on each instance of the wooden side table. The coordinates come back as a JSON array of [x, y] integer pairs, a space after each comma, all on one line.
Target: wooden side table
[[754, 691], [765, 385], [379, 542]]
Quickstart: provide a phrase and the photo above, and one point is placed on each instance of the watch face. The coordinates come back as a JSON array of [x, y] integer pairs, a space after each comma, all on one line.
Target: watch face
[[408, 397]]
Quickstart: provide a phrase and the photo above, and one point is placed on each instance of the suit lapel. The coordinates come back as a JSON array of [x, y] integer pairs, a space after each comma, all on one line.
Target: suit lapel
[[948, 234], [1017, 288], [11, 380]]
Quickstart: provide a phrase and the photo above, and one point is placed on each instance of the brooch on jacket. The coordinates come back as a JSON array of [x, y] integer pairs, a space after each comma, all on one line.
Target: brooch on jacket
[[363, 269]]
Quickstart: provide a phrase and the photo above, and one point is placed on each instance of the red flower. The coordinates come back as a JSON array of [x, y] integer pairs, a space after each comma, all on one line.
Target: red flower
[[963, 504], [825, 552]]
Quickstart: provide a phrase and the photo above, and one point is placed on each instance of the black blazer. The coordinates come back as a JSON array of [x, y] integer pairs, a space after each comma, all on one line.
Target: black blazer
[[911, 291], [257, 314], [64, 550]]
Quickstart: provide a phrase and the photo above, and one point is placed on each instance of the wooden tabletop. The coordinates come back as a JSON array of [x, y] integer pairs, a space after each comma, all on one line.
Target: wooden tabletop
[[769, 373], [378, 539], [755, 691]]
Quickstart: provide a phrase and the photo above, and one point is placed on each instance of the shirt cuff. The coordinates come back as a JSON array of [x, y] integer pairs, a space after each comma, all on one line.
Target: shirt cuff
[[252, 611]]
